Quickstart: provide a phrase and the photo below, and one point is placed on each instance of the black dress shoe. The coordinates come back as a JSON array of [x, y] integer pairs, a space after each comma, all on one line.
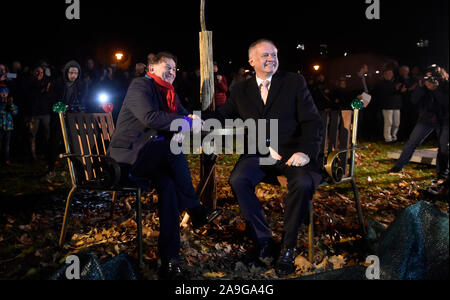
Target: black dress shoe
[[285, 264], [201, 216], [171, 271], [443, 176], [395, 170]]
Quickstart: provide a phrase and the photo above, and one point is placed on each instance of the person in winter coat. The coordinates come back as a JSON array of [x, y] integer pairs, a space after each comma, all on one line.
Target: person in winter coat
[[38, 99], [71, 89], [388, 93], [431, 98], [7, 111], [220, 87]]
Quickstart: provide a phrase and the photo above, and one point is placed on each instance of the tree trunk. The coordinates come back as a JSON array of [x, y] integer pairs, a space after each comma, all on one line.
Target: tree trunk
[[207, 162]]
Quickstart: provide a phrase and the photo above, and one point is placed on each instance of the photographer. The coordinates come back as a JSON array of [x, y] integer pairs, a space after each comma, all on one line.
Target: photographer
[[7, 111], [432, 101]]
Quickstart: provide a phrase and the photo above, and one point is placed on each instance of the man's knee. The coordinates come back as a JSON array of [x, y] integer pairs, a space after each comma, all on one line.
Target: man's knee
[[303, 182], [239, 180]]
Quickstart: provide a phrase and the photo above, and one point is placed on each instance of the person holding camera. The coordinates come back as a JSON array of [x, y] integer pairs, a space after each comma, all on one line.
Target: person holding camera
[[7, 111], [431, 97]]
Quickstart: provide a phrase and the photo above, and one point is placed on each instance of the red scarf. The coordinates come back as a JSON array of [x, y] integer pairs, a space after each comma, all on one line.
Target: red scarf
[[168, 91]]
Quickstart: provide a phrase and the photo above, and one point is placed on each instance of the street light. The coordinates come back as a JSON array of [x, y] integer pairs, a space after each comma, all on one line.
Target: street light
[[119, 56], [316, 68]]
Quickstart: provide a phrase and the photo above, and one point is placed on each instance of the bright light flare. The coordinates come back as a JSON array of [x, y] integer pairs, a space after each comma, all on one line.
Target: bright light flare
[[119, 56], [103, 98]]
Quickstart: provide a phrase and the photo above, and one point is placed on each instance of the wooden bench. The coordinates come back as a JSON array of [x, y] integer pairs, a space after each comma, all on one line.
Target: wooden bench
[[86, 139]]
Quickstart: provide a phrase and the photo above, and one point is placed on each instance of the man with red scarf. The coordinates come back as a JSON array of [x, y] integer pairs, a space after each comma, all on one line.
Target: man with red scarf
[[141, 144]]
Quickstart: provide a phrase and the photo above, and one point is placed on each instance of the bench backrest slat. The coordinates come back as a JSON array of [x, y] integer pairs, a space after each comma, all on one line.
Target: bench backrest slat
[[89, 134]]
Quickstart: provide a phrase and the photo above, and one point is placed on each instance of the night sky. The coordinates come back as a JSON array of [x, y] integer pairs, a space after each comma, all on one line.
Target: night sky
[[39, 29]]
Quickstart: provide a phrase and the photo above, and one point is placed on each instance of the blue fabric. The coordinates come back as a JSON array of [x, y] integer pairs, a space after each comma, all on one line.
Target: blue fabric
[[4, 89], [189, 120], [6, 116]]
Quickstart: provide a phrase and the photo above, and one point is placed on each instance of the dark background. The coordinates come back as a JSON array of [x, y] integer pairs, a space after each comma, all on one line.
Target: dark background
[[39, 29]]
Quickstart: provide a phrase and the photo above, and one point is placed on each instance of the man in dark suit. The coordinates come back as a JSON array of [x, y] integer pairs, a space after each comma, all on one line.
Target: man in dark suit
[[286, 98], [141, 144]]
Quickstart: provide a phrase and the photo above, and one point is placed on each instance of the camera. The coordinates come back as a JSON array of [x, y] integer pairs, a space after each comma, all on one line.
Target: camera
[[431, 79], [433, 74]]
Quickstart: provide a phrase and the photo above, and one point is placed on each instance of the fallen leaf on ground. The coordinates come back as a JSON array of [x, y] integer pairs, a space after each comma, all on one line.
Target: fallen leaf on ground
[[214, 275], [303, 264], [337, 261]]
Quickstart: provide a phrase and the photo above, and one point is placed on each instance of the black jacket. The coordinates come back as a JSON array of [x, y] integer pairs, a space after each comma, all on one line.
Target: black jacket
[[432, 105], [71, 93], [289, 101], [38, 98], [387, 96], [323, 97], [142, 116]]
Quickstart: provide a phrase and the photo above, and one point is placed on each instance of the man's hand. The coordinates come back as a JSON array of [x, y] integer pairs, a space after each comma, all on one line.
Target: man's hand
[[197, 123], [178, 138], [298, 160], [274, 154]]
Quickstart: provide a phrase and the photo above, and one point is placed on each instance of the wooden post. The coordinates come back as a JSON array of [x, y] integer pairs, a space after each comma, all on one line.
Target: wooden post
[[207, 165]]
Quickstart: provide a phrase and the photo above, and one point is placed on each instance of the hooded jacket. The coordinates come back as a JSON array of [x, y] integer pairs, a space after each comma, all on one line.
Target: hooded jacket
[[72, 93]]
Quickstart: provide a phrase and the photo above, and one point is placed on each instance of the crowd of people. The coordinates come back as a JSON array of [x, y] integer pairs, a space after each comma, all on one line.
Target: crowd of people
[[393, 113]]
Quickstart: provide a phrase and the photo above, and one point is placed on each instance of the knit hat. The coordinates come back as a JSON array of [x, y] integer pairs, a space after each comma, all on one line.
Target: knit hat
[[4, 90]]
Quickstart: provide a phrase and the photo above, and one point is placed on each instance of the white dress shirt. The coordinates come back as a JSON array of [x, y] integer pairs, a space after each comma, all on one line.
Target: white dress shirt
[[259, 81]]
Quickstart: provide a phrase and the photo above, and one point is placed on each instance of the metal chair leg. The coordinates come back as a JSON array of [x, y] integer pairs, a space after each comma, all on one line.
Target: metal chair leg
[[113, 202], [139, 225], [359, 209], [62, 236], [311, 233]]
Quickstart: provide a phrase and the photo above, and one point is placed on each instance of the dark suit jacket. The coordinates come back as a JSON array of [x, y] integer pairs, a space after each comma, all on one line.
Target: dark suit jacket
[[299, 124], [142, 117]]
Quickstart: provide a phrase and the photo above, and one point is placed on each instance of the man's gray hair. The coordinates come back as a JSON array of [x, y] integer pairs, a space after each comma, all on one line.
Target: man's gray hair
[[260, 41]]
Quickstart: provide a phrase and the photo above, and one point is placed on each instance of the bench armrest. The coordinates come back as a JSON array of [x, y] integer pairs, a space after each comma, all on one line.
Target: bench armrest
[[335, 172]]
